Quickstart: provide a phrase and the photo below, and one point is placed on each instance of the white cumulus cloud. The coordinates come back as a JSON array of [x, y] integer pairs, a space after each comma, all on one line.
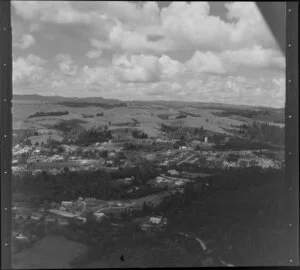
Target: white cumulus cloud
[[206, 63], [66, 64], [25, 41], [137, 68], [28, 70]]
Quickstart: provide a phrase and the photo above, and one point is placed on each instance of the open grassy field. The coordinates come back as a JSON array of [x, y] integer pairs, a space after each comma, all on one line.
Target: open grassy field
[[52, 252], [146, 116]]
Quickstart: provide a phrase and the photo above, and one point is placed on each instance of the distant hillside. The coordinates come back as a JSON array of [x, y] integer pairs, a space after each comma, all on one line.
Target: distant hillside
[[83, 104], [209, 105], [204, 105], [60, 99], [39, 98]]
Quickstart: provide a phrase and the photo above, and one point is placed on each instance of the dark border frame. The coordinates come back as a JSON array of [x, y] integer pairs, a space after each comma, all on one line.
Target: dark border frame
[[292, 129], [6, 130], [291, 114]]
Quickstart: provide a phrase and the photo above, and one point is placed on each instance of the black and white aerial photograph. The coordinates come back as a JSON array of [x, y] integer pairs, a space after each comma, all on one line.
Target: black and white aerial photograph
[[147, 134]]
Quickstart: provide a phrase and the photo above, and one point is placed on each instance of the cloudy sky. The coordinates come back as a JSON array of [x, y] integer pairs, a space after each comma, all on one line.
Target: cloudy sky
[[191, 51]]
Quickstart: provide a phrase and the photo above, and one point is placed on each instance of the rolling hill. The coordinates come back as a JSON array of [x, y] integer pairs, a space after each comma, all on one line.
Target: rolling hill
[[144, 115]]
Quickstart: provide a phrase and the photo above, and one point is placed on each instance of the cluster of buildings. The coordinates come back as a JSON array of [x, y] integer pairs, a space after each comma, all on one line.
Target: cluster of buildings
[[171, 157], [185, 159], [74, 158], [152, 223], [79, 210], [164, 181]]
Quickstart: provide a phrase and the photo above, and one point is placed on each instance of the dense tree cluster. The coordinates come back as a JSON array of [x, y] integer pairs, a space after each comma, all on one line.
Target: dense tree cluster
[[68, 125], [274, 115], [243, 225], [138, 134], [251, 232], [71, 185], [264, 132], [39, 114], [181, 116], [93, 135], [22, 136], [188, 133], [147, 147], [92, 104], [87, 115]]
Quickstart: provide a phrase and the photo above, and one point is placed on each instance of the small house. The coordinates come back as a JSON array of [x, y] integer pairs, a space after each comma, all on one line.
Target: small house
[[50, 219], [155, 220], [154, 224], [63, 222], [109, 163], [66, 204], [15, 162], [36, 216], [81, 220], [173, 172], [99, 216], [21, 237]]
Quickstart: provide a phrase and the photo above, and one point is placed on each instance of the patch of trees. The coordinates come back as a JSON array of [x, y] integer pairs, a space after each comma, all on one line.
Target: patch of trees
[[87, 115], [264, 132], [217, 138], [233, 157], [125, 124], [68, 186], [264, 115], [135, 121], [244, 144], [243, 113], [93, 104], [93, 135], [153, 147], [71, 185], [75, 133], [164, 116], [39, 114], [132, 146], [53, 143], [166, 128], [181, 116], [230, 217], [189, 133], [139, 134], [68, 125], [22, 136], [179, 143], [143, 191], [191, 114], [238, 201]]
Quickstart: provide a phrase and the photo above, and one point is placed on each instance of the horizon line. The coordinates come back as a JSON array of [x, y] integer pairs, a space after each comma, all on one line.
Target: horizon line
[[159, 100]]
